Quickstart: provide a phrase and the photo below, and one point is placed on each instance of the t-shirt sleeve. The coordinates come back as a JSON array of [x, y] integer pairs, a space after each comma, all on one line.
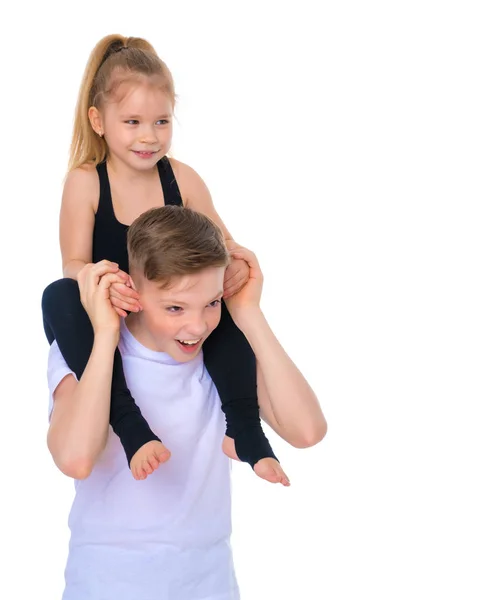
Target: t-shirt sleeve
[[57, 370]]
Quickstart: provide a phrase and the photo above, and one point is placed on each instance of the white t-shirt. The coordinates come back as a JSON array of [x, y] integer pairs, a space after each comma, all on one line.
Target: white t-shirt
[[166, 537]]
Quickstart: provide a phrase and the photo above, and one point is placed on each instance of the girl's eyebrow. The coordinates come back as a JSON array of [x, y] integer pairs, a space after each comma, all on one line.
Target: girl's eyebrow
[[130, 116]]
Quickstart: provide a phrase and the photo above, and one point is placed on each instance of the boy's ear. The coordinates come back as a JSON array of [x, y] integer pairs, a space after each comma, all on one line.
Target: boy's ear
[[135, 278]]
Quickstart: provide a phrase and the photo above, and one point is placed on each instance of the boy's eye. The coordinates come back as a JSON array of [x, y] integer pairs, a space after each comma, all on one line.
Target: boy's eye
[[214, 303], [174, 309], [162, 122], [131, 122]]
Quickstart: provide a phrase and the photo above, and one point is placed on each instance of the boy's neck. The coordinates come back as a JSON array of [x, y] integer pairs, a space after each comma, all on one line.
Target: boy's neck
[[135, 325]]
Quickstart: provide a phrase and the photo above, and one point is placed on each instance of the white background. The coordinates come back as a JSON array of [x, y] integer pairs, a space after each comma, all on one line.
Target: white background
[[340, 142]]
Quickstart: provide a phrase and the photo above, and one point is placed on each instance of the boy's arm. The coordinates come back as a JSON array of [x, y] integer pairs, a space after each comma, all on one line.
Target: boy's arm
[[287, 402], [80, 417], [81, 412]]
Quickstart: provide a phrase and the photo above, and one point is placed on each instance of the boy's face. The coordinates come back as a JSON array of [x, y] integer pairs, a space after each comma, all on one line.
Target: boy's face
[[177, 320]]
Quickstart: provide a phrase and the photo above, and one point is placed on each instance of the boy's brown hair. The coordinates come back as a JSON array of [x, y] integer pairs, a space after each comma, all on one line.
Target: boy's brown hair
[[172, 241]]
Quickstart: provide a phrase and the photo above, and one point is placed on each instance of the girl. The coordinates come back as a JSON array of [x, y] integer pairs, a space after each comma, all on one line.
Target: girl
[[119, 169]]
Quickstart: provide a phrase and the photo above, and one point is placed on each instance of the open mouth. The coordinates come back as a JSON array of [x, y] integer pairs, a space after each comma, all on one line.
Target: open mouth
[[145, 153], [188, 346]]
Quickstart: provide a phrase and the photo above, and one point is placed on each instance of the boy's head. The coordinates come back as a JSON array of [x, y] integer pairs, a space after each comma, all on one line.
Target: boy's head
[[177, 261]]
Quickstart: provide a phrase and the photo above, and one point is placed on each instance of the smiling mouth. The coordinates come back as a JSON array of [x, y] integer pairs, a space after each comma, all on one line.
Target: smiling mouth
[[189, 342], [145, 152], [189, 346]]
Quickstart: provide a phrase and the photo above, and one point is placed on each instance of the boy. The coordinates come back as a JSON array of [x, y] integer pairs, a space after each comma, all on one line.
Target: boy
[[167, 536]]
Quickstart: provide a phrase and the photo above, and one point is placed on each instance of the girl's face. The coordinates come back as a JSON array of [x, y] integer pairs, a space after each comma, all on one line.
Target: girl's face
[[137, 125]]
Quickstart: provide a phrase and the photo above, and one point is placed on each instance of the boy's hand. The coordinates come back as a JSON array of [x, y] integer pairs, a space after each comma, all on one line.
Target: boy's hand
[[94, 281]]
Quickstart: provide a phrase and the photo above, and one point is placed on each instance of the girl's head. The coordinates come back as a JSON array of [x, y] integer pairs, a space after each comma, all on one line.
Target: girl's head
[[125, 105]]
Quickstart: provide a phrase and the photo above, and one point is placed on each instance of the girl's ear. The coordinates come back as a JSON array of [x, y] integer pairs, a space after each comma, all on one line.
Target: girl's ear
[[95, 120]]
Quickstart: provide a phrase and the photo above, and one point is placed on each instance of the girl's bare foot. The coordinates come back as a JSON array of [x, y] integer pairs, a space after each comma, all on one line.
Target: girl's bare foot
[[148, 458], [266, 468], [270, 469], [229, 449]]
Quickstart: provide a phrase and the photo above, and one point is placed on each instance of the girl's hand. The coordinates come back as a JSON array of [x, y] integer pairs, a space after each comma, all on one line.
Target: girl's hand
[[250, 294], [236, 276], [95, 281], [124, 296]]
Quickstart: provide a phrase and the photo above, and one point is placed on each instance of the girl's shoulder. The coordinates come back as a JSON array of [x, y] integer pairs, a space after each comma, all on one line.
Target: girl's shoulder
[[86, 173], [82, 185], [190, 183], [195, 193]]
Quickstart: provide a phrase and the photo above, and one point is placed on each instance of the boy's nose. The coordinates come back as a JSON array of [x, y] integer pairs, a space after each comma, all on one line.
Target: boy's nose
[[197, 329]]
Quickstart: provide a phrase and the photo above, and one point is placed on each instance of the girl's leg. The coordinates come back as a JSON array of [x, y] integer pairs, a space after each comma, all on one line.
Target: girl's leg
[[232, 366], [66, 321]]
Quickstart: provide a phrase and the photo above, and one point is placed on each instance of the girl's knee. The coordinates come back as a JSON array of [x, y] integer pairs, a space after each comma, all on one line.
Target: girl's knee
[[59, 292]]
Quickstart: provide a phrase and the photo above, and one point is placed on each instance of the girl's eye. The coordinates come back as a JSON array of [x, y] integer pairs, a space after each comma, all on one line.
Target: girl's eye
[[214, 303], [132, 122], [174, 309], [162, 122]]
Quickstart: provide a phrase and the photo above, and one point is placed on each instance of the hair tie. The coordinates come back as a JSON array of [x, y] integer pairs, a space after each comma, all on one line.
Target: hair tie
[[109, 53]]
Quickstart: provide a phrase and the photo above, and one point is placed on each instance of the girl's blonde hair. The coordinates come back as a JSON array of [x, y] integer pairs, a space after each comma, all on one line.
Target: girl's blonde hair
[[114, 60]]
